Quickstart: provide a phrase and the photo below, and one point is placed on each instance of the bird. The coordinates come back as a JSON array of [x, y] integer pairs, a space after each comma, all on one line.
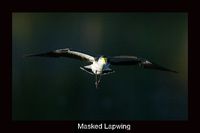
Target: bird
[[101, 65]]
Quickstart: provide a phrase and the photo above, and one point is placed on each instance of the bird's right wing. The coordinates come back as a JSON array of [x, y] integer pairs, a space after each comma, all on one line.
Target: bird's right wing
[[66, 53], [133, 60], [124, 60]]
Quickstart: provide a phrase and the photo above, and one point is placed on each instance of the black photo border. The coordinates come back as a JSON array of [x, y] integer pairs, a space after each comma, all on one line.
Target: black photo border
[[112, 6]]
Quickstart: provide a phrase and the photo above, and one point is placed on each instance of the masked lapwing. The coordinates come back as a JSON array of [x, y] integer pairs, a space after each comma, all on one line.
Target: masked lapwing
[[101, 65]]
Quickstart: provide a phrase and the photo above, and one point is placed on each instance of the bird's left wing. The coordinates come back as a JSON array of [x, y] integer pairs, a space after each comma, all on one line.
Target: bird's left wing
[[66, 53], [133, 60]]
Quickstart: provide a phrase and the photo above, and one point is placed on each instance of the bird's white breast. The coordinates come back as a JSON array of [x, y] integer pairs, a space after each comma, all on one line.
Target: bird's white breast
[[97, 67]]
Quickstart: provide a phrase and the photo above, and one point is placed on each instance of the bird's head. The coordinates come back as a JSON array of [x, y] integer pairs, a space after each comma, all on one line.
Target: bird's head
[[102, 60]]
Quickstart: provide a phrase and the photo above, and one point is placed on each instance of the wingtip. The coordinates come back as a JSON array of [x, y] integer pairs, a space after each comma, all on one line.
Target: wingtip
[[31, 55], [158, 67], [174, 71], [27, 55], [49, 54], [169, 70]]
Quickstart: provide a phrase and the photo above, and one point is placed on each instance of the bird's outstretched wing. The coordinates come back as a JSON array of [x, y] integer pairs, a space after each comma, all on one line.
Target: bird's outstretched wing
[[123, 60], [66, 53], [133, 60]]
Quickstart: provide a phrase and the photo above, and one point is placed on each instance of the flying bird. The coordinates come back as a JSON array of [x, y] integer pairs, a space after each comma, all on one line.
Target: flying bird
[[100, 65]]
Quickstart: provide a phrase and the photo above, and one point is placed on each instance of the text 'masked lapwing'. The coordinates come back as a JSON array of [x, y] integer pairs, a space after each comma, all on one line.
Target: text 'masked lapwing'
[[101, 65]]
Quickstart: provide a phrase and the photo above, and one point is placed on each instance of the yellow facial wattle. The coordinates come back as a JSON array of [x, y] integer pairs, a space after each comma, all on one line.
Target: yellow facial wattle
[[104, 60]]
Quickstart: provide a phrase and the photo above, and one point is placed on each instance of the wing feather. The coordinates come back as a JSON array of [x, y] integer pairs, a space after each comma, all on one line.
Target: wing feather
[[133, 60], [124, 60], [66, 53]]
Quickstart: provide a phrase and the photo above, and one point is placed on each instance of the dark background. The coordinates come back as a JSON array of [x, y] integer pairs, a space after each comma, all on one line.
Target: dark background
[[56, 89]]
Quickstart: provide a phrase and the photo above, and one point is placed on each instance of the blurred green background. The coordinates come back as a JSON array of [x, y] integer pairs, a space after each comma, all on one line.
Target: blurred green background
[[56, 89]]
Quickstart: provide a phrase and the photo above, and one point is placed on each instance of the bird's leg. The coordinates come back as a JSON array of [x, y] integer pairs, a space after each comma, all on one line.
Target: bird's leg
[[99, 79], [96, 80]]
